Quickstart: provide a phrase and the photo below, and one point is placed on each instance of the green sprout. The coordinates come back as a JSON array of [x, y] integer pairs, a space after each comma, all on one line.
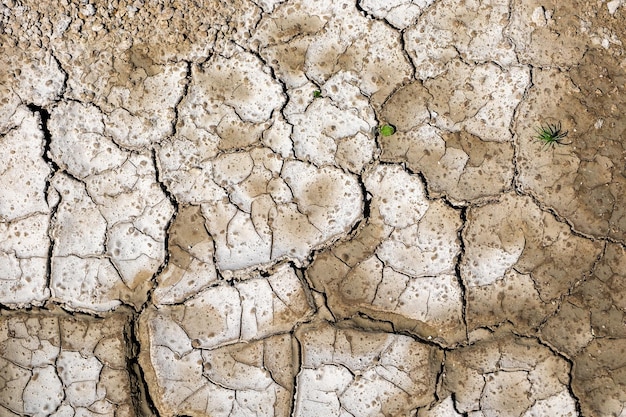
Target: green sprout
[[551, 134], [387, 130], [317, 94]]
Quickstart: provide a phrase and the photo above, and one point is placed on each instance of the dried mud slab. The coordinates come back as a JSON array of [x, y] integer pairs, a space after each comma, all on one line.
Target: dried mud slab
[[459, 141], [334, 129], [140, 115], [59, 365], [581, 178], [24, 212], [229, 156], [111, 215], [255, 377], [518, 262], [128, 60], [220, 168], [227, 350], [398, 13], [463, 97], [352, 372], [549, 33], [400, 267], [598, 377], [125, 45], [589, 328], [312, 41], [450, 29], [282, 210], [28, 77], [444, 408], [191, 266], [507, 375]]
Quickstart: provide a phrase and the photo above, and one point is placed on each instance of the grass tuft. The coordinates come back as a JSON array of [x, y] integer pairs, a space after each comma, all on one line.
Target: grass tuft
[[551, 134]]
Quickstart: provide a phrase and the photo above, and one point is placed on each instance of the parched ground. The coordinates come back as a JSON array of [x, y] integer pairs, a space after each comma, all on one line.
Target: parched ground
[[201, 216]]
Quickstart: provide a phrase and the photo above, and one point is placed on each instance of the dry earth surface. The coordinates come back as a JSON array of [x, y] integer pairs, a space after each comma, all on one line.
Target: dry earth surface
[[200, 216]]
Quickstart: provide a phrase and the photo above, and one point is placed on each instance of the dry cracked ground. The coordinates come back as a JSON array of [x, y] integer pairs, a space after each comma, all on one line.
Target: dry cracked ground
[[200, 215]]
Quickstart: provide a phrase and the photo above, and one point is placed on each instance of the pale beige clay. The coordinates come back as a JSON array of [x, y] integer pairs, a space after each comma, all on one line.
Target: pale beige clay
[[312, 208]]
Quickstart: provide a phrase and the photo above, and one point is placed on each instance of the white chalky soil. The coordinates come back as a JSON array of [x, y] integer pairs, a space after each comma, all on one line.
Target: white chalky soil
[[200, 214]]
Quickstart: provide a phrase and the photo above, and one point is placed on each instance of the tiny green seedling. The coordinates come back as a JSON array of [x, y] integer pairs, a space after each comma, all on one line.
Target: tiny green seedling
[[551, 134], [387, 130], [317, 94]]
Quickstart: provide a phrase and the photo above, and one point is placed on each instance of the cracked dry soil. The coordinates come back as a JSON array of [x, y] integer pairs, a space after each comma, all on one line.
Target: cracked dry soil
[[198, 216]]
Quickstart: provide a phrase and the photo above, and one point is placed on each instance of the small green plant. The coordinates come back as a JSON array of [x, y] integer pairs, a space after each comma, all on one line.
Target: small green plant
[[387, 130], [317, 94], [551, 134]]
